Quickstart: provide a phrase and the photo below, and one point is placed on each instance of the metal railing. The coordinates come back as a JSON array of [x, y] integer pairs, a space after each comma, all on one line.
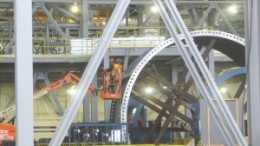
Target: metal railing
[[97, 133], [132, 37]]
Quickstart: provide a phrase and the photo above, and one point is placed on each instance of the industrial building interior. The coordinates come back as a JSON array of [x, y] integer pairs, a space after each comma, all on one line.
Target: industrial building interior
[[184, 77]]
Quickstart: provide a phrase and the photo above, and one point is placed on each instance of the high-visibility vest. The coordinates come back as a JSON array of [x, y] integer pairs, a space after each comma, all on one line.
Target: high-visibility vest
[[117, 68]]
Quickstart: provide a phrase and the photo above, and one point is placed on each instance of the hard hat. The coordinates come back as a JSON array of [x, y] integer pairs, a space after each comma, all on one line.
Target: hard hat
[[118, 60], [112, 59]]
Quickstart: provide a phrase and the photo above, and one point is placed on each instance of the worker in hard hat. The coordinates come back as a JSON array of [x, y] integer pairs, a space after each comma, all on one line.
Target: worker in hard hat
[[114, 75], [117, 74]]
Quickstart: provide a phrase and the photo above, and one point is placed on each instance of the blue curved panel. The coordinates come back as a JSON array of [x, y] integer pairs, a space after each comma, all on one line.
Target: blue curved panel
[[229, 74]]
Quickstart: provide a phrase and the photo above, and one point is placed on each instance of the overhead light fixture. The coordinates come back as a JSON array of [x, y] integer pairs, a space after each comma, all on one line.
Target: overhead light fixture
[[223, 89], [232, 9], [134, 110], [74, 8], [164, 87], [154, 9], [72, 90], [148, 90]]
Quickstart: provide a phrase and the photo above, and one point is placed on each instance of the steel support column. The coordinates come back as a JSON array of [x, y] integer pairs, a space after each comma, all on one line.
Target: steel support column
[[211, 63], [126, 58], [85, 18], [23, 72], [140, 20], [94, 103], [84, 34], [253, 60], [107, 103], [90, 71]]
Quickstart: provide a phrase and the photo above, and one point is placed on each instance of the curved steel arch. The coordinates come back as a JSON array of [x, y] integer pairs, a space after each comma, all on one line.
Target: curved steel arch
[[235, 40], [229, 74]]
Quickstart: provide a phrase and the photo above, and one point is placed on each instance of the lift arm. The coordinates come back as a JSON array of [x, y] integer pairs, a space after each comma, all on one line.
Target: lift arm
[[69, 78]]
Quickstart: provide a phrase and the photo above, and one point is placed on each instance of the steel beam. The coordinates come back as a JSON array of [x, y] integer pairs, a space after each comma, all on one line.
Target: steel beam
[[43, 76], [226, 114], [58, 29], [240, 89], [189, 63], [158, 119], [139, 98], [253, 76], [126, 58], [157, 122], [194, 15], [226, 21], [172, 95], [84, 29], [134, 2], [205, 15], [94, 103], [166, 106], [85, 18], [230, 122], [175, 107], [107, 103], [167, 83], [35, 78], [146, 2], [53, 95], [23, 72], [67, 13], [88, 74], [42, 1]]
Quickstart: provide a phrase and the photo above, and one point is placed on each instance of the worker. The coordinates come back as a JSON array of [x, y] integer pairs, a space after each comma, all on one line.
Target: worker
[[119, 63], [117, 73], [109, 76], [114, 75]]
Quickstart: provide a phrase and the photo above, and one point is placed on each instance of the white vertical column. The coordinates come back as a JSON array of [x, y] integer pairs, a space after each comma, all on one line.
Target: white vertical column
[[23, 72], [84, 34], [107, 103], [211, 63], [253, 68], [174, 73], [85, 18]]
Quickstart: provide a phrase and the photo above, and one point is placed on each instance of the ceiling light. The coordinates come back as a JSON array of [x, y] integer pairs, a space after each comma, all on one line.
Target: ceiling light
[[232, 9], [223, 89], [74, 8], [134, 110], [154, 9], [72, 90], [148, 90]]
